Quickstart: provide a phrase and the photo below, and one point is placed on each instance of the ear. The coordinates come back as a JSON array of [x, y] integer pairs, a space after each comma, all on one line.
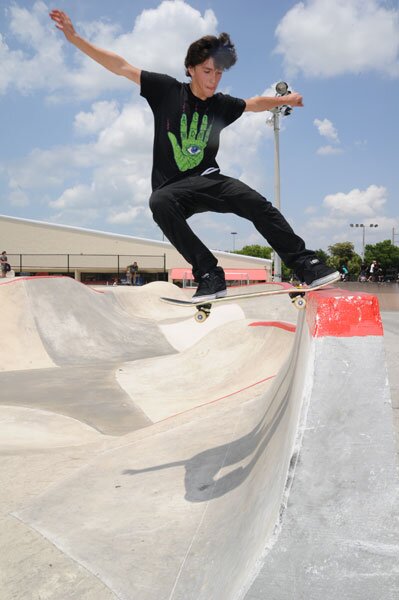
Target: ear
[[191, 71]]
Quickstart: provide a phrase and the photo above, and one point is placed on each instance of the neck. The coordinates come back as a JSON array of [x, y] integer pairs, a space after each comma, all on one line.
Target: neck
[[195, 92]]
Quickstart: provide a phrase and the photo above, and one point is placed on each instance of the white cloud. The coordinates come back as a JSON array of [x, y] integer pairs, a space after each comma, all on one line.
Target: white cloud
[[338, 211], [78, 196], [360, 203], [158, 41], [102, 114], [328, 223], [321, 38], [326, 129], [125, 217], [38, 61], [18, 198], [328, 150]]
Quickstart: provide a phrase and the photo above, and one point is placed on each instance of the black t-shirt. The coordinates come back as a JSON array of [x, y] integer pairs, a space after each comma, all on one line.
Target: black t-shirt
[[187, 129]]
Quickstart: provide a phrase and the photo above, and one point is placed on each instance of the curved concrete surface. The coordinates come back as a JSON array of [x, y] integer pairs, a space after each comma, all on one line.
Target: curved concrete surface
[[165, 386], [24, 348], [265, 453], [31, 429], [70, 323]]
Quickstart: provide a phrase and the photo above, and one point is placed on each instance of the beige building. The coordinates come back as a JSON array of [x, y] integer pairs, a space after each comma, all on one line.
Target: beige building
[[35, 247]]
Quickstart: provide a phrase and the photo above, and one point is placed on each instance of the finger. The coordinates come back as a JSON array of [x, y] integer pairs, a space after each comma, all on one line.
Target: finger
[[194, 126], [183, 127], [202, 130]]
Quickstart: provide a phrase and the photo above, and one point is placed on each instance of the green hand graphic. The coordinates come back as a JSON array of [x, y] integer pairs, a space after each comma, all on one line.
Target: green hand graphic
[[193, 145]]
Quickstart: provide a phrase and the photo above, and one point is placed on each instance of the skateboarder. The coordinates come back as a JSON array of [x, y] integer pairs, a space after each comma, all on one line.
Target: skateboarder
[[186, 178]]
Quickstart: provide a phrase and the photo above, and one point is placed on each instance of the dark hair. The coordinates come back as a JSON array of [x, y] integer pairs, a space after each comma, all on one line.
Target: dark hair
[[219, 48]]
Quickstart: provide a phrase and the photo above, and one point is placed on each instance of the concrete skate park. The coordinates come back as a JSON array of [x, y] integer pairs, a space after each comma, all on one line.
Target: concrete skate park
[[145, 456]]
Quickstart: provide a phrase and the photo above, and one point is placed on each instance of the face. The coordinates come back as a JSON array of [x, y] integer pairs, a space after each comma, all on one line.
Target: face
[[205, 79]]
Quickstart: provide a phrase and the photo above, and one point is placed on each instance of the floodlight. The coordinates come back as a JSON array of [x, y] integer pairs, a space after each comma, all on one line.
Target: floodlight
[[281, 88]]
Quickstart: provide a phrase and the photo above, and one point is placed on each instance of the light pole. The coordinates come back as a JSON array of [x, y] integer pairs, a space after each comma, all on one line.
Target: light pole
[[363, 226], [234, 233], [281, 90]]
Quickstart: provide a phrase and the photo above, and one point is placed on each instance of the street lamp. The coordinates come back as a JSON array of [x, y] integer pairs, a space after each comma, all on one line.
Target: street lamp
[[281, 90], [234, 233], [363, 226]]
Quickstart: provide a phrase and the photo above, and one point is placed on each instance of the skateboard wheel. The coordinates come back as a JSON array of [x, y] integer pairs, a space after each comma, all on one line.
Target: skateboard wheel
[[299, 302], [201, 316]]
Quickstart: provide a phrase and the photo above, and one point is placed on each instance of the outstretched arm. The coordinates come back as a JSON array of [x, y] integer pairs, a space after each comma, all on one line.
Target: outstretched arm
[[261, 103], [111, 61]]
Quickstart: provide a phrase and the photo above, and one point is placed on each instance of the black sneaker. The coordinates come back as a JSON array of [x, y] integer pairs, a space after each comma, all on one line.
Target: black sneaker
[[211, 286], [316, 273]]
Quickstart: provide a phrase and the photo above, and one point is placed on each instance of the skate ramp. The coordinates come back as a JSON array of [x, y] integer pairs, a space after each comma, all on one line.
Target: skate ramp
[[177, 324], [207, 371], [21, 347], [32, 429], [191, 506], [209, 471], [58, 321]]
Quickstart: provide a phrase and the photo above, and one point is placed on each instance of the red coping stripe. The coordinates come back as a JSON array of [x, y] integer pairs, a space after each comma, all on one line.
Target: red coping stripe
[[341, 313], [280, 324]]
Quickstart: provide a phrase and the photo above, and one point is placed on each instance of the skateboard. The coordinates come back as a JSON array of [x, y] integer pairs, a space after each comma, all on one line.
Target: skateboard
[[296, 293]]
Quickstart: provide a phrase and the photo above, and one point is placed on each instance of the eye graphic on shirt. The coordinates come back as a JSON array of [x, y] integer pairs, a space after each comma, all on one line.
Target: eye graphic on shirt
[[193, 142], [193, 150]]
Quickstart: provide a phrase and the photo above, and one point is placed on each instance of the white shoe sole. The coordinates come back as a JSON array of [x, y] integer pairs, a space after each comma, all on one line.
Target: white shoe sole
[[210, 297], [331, 278]]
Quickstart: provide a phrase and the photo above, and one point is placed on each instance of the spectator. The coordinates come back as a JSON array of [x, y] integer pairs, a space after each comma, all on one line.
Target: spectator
[[132, 273], [4, 264], [344, 273], [372, 271], [363, 273]]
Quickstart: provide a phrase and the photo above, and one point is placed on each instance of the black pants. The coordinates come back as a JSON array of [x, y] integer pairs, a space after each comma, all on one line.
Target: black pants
[[174, 203]]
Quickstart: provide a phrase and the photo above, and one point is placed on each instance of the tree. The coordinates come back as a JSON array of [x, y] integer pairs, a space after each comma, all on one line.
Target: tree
[[321, 255], [385, 253], [343, 253], [256, 250]]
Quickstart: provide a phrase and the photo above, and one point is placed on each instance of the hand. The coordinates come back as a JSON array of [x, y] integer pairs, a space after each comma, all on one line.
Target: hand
[[293, 99], [64, 23], [193, 146]]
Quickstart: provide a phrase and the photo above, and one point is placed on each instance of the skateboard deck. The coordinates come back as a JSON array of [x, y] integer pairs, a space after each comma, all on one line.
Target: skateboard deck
[[297, 295]]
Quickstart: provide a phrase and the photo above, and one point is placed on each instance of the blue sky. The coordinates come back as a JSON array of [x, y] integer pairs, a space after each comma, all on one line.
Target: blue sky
[[77, 141]]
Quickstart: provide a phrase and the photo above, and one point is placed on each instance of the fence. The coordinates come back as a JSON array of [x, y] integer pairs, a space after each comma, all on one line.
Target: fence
[[100, 263]]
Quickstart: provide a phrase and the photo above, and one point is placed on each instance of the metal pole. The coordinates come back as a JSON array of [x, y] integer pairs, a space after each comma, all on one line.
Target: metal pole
[[277, 203], [364, 229], [234, 233]]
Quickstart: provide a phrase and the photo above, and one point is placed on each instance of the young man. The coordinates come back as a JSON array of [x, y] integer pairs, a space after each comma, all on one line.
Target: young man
[[186, 178]]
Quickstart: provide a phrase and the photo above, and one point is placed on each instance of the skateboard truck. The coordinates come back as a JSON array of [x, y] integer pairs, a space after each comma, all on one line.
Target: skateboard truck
[[203, 312], [298, 299]]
